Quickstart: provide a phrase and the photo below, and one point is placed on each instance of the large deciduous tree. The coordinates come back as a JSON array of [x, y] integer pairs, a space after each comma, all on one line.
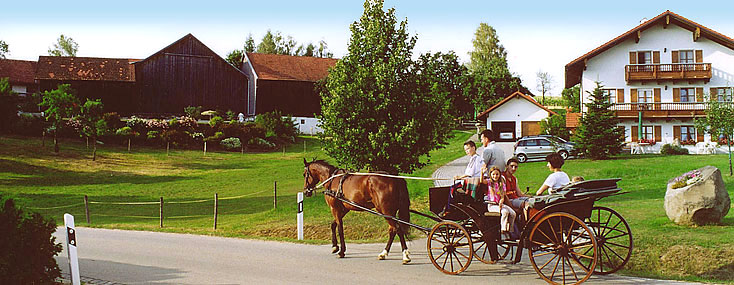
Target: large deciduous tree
[[719, 120], [451, 77], [380, 109], [59, 104], [598, 136], [64, 46]]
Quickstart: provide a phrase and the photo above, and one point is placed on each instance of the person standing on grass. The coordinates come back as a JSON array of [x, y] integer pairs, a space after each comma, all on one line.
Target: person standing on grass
[[557, 178], [492, 154]]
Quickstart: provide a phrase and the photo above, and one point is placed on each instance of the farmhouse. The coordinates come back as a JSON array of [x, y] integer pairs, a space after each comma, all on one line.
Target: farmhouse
[[21, 75], [659, 76], [515, 116]]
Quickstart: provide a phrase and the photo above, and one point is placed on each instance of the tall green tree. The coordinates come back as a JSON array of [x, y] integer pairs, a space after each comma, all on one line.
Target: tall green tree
[[64, 46], [719, 120], [380, 109], [59, 104], [8, 105], [598, 136], [555, 125], [572, 97], [268, 44], [3, 49], [450, 77], [249, 44], [93, 124], [235, 58]]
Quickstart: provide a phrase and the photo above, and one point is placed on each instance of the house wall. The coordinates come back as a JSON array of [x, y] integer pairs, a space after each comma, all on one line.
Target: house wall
[[251, 87], [308, 125], [295, 98], [117, 96], [516, 110]]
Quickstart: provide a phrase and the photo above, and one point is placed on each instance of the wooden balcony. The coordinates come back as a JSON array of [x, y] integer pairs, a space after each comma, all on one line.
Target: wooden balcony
[[660, 110], [668, 71]]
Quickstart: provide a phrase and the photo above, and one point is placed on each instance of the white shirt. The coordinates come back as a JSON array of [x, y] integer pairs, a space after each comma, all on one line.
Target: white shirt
[[474, 168], [556, 180]]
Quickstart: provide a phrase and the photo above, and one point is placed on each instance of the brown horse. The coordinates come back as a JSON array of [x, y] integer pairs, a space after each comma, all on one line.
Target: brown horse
[[388, 196]]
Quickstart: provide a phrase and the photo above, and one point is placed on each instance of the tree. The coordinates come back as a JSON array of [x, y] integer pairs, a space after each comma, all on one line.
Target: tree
[[64, 46], [268, 44], [323, 50], [58, 104], [235, 58], [380, 110], [572, 97], [8, 105], [249, 44], [3, 49], [451, 77], [598, 135], [92, 123], [309, 50], [555, 125], [719, 120], [545, 83]]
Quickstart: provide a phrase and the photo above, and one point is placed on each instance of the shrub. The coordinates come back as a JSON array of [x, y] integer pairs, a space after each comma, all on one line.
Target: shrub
[[260, 143], [28, 125], [277, 127], [137, 124], [193, 112], [231, 115], [216, 122], [153, 135], [231, 143], [113, 120], [673, 150], [28, 247]]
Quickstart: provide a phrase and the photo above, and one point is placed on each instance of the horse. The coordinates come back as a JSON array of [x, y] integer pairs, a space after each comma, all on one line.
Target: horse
[[388, 196]]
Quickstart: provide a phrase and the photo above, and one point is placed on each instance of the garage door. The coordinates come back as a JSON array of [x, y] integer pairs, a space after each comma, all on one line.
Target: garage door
[[504, 131], [530, 128]]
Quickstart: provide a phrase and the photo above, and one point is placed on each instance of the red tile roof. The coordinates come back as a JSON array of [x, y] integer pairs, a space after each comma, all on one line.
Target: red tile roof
[[483, 115], [86, 68], [18, 71], [575, 67], [286, 67], [573, 120]]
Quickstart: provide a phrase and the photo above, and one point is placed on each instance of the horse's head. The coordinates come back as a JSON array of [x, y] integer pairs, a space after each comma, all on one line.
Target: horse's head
[[310, 178]]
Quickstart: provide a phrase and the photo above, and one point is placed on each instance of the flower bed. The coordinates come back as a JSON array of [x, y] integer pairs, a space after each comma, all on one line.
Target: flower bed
[[686, 179]]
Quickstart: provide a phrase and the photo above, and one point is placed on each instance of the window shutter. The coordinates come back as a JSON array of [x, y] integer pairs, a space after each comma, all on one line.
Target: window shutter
[[658, 130], [699, 56], [674, 56], [620, 95], [656, 95], [699, 94], [699, 136], [633, 57], [634, 134], [633, 95], [656, 57], [676, 133], [676, 94]]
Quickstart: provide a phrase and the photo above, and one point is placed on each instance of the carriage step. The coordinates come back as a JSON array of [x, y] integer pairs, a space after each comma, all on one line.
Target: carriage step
[[492, 214]]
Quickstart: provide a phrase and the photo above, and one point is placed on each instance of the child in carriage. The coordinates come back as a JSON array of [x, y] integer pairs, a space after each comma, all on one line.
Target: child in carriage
[[498, 202]]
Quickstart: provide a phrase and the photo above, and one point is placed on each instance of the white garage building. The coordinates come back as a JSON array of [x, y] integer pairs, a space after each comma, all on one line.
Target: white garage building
[[515, 116]]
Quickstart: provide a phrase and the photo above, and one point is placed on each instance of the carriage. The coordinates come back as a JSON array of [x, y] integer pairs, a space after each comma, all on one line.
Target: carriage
[[566, 236]]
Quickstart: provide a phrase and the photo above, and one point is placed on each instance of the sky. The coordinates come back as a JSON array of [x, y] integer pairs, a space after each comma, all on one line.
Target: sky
[[538, 35]]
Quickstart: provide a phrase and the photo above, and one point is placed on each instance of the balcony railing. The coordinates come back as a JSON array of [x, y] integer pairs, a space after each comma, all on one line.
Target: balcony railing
[[666, 71], [668, 109]]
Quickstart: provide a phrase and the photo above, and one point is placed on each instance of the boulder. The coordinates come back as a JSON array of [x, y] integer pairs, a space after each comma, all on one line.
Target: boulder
[[703, 202]]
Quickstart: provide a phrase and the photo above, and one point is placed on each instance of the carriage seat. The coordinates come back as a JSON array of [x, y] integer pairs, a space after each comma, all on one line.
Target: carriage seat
[[492, 214]]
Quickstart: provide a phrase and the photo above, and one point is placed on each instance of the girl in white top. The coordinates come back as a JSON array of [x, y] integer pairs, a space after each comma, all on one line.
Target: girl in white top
[[474, 168], [557, 178]]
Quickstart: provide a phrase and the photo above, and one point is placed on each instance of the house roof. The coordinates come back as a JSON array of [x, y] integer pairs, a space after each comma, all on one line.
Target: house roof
[[292, 68], [85, 68], [182, 40], [18, 71], [483, 115], [575, 68], [573, 120]]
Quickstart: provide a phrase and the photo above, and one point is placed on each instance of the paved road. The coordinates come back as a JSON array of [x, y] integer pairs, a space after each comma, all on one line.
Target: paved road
[[134, 257]]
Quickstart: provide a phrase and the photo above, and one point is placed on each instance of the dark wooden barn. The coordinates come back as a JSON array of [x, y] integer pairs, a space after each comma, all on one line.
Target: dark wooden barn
[[109, 79], [285, 83], [188, 73]]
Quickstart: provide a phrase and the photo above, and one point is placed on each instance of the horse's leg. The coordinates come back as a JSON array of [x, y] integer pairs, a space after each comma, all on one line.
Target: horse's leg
[[392, 230], [403, 245], [334, 247], [340, 223]]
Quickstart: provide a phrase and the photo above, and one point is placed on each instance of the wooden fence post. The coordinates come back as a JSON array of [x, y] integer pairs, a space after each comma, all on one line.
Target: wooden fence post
[[275, 194], [216, 207], [161, 213], [86, 207]]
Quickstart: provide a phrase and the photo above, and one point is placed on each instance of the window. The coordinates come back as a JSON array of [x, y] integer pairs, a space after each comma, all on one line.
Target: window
[[687, 95], [687, 133], [612, 93], [303, 121], [544, 143], [685, 56], [531, 143], [647, 133], [644, 95], [644, 57], [722, 94]]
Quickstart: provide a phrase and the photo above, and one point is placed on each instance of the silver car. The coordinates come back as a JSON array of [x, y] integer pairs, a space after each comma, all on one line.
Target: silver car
[[540, 146]]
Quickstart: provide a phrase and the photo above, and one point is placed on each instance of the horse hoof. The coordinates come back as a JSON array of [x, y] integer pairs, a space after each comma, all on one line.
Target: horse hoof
[[406, 261], [335, 249], [382, 255], [406, 257], [341, 255]]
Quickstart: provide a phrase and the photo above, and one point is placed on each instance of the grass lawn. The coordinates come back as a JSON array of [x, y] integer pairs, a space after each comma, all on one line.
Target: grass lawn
[[55, 184]]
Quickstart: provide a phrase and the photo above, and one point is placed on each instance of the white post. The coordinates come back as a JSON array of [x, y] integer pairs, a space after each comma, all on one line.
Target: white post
[[300, 215], [71, 245]]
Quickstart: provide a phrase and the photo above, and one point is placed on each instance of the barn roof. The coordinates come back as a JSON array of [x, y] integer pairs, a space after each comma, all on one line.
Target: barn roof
[[190, 38], [575, 68], [18, 71], [483, 115], [85, 68], [291, 68]]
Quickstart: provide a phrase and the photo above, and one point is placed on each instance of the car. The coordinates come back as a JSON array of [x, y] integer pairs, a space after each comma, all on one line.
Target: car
[[540, 146]]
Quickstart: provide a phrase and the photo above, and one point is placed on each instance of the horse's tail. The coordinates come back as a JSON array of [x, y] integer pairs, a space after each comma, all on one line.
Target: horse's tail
[[404, 207]]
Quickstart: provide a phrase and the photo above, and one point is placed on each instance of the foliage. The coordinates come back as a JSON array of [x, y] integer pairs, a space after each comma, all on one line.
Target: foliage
[[28, 125], [688, 178], [380, 109], [91, 117], [231, 115], [598, 135], [555, 125], [126, 132], [3, 49], [28, 247], [672, 149], [64, 46], [572, 97], [545, 84], [276, 43], [216, 122], [153, 135], [444, 72], [231, 143], [249, 44], [58, 104], [193, 112], [8, 105], [261, 143], [277, 127], [235, 58], [720, 120]]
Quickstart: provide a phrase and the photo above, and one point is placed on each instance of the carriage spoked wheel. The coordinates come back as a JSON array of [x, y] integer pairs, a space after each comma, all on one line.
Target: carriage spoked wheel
[[614, 237], [563, 250], [480, 249], [450, 247]]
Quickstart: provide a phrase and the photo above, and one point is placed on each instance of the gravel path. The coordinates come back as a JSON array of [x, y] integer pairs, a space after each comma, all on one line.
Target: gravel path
[[457, 166]]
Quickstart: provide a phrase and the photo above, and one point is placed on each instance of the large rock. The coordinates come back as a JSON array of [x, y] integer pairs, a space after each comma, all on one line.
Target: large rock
[[703, 202]]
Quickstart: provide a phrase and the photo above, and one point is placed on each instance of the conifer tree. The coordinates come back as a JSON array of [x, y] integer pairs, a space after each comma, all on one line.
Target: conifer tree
[[598, 135]]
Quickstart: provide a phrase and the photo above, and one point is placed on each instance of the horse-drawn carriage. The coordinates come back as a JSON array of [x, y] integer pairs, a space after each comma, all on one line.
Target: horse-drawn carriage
[[566, 236]]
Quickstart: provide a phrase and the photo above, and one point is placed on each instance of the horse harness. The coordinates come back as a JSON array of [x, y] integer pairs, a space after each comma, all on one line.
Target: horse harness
[[339, 192]]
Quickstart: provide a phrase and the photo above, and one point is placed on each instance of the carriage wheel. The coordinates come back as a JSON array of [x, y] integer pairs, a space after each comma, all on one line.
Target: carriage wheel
[[450, 247], [480, 249], [563, 250], [614, 237]]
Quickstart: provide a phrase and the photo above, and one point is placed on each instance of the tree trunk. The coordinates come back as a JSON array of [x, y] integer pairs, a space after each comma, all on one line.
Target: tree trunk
[[87, 142], [94, 148], [56, 143], [168, 147], [204, 147], [43, 139], [128, 145], [728, 143]]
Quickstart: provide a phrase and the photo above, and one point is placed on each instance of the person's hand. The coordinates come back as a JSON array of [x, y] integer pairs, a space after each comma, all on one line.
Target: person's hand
[[457, 177]]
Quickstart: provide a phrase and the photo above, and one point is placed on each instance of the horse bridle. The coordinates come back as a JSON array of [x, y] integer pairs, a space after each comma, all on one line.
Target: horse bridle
[[308, 188]]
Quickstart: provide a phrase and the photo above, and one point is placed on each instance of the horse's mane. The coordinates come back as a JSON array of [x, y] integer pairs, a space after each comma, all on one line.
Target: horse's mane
[[324, 164]]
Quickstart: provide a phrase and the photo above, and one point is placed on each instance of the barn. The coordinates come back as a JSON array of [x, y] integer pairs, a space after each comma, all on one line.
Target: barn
[[188, 73], [21, 75]]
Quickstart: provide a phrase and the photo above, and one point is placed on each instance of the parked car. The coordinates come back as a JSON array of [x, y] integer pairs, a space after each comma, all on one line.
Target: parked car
[[540, 146]]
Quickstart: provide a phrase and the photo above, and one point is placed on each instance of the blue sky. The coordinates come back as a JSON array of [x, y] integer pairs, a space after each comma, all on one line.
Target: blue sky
[[538, 35]]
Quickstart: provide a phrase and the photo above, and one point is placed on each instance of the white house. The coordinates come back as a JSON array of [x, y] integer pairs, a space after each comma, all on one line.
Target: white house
[[659, 76], [515, 116]]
